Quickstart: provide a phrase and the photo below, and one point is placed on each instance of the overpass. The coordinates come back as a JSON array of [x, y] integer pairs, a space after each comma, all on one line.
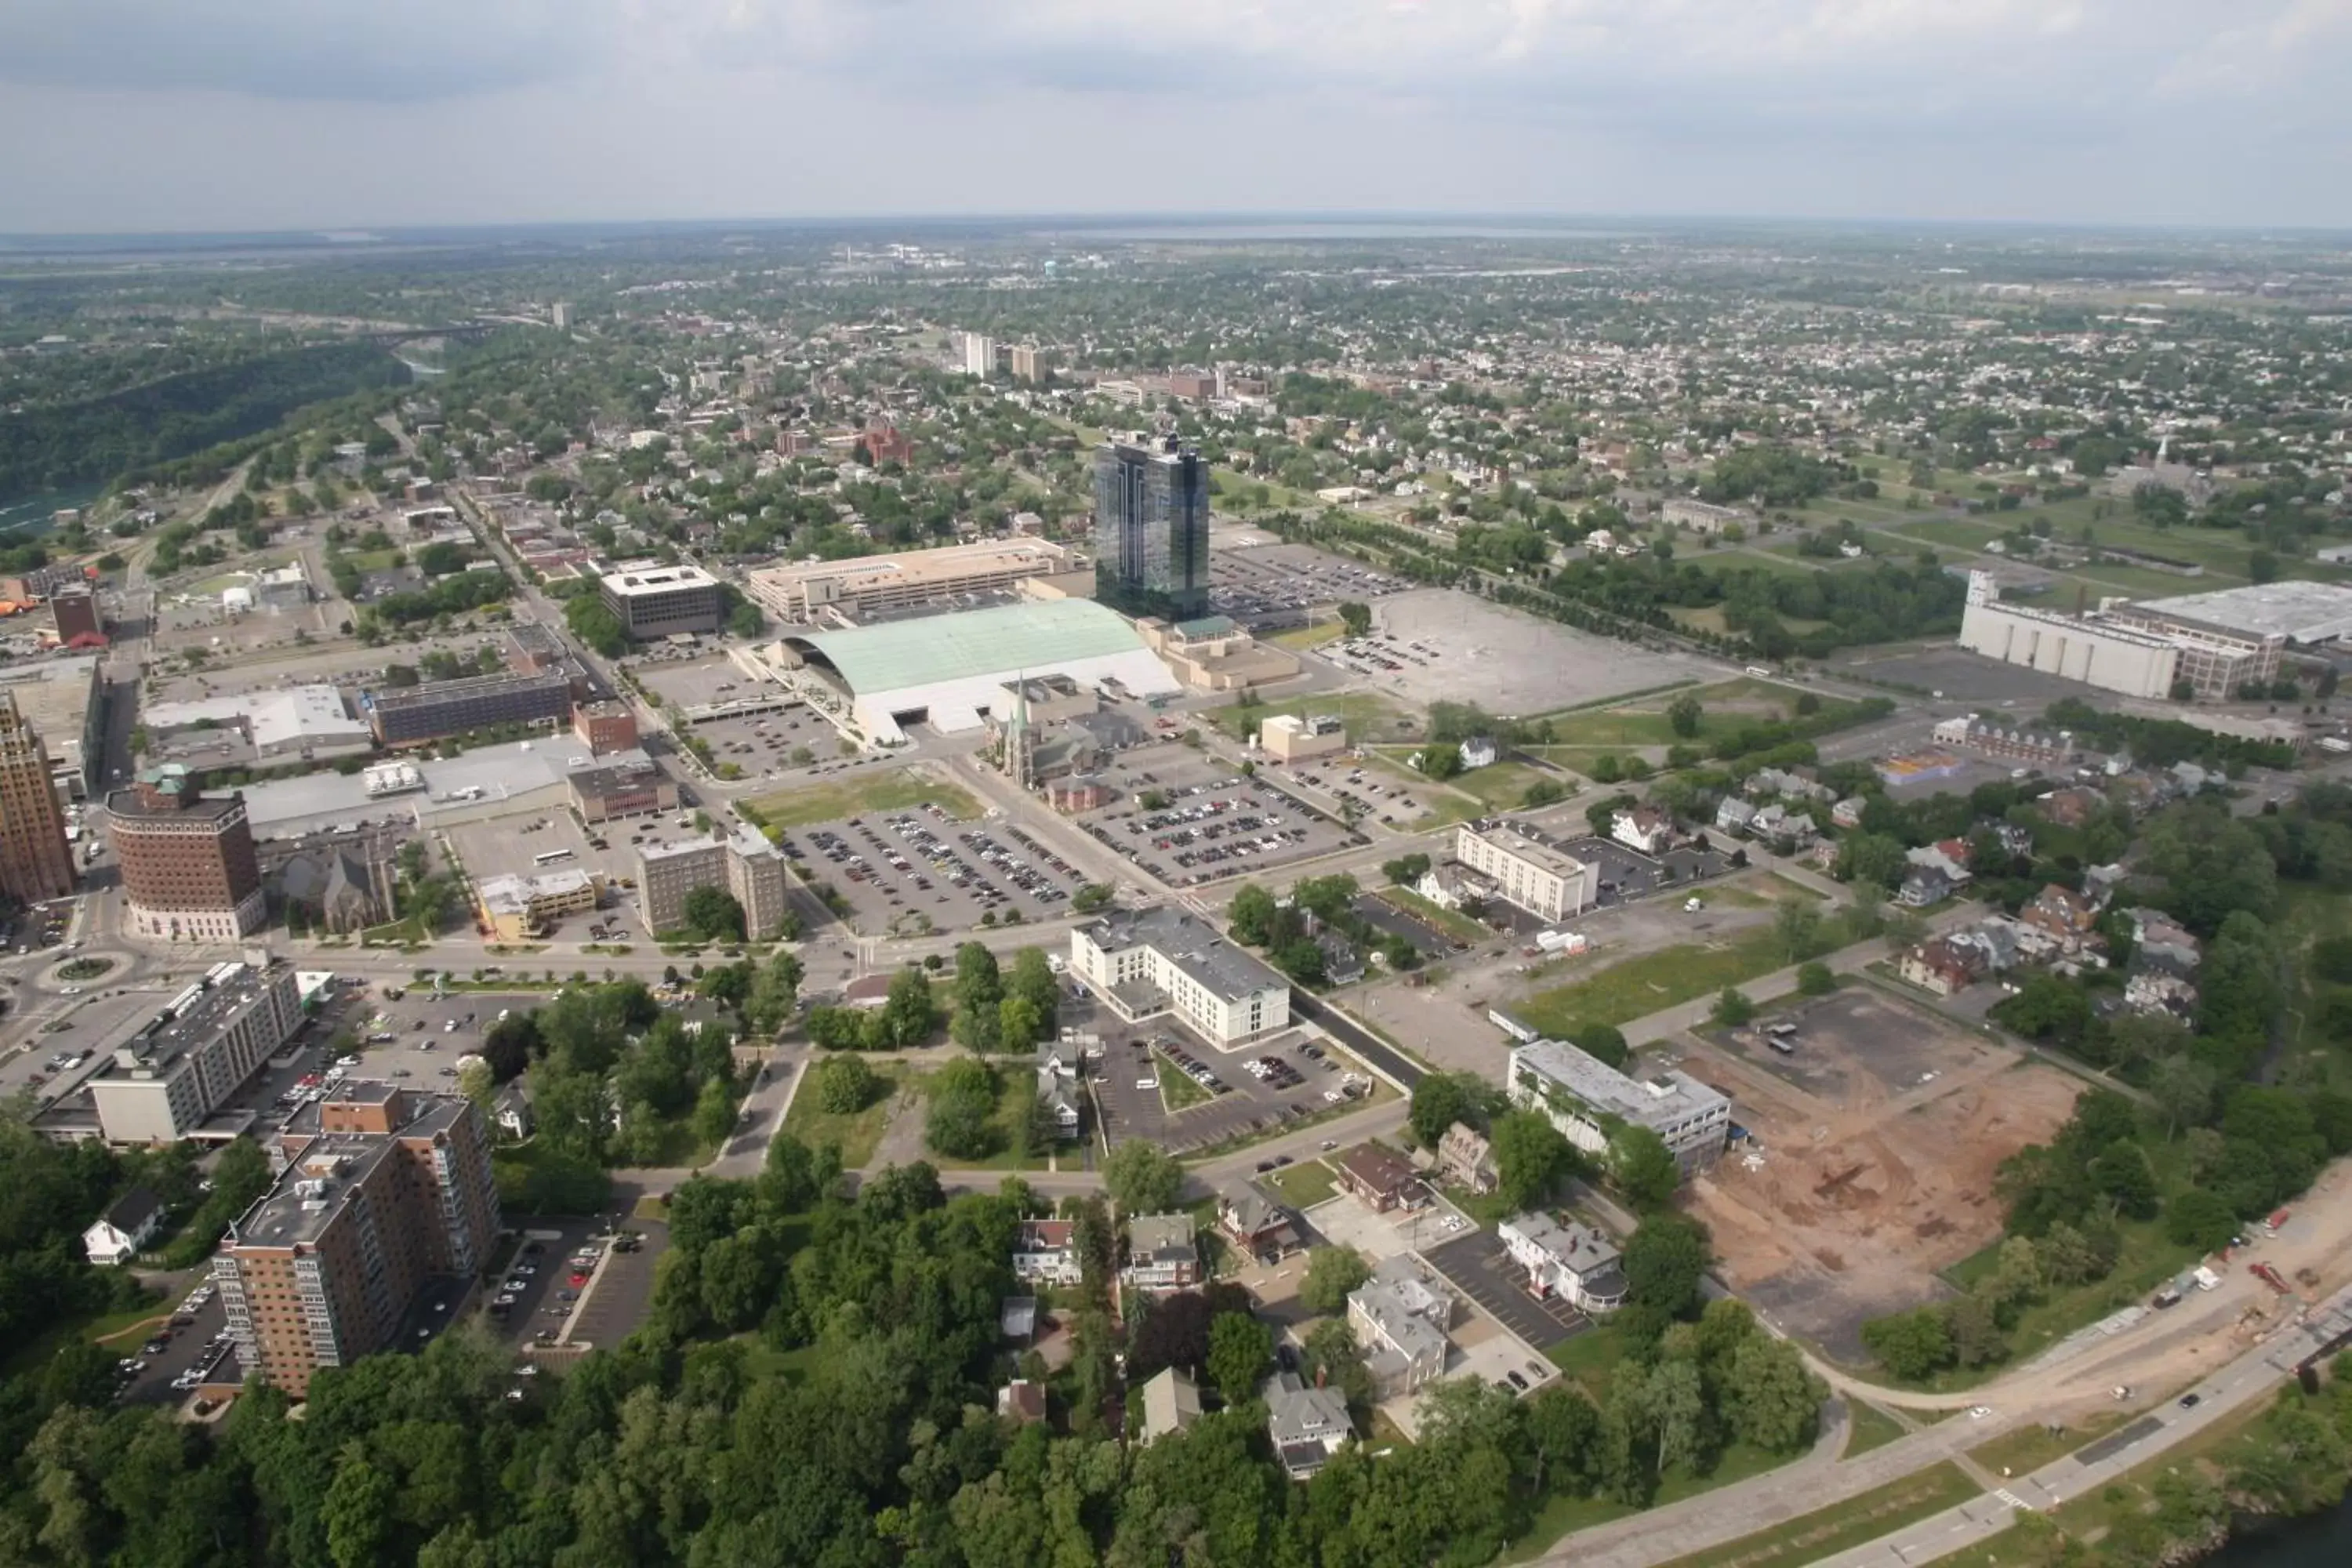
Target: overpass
[[467, 331]]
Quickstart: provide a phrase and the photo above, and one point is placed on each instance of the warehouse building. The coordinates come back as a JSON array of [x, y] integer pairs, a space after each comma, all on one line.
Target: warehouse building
[[653, 601], [409, 716], [867, 586], [2141, 650], [949, 671]]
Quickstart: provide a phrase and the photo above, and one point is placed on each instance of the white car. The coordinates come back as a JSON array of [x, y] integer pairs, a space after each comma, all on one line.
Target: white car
[[1979, 1412]]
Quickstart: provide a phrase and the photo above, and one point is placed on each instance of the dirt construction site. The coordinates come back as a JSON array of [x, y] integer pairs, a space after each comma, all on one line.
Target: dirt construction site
[[1875, 1138]]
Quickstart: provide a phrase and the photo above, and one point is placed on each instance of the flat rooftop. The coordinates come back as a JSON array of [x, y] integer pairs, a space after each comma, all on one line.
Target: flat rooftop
[[1214, 962], [1521, 842], [1665, 1096], [631, 580], [391, 699], [317, 1185], [195, 1015], [512, 895], [918, 568], [276, 718], [2300, 612]]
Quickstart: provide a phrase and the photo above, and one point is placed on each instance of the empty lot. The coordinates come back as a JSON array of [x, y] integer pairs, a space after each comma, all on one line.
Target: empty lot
[[1514, 664], [1875, 1147]]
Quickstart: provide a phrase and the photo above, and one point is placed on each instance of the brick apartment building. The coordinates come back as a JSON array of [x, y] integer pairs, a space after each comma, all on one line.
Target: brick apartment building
[[387, 1202], [189, 873]]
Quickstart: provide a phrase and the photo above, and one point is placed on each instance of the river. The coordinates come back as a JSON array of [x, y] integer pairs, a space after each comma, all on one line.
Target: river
[[29, 518], [2322, 1540]]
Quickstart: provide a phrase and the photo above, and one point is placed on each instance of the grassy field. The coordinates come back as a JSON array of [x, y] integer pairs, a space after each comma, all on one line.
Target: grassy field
[[1842, 1526], [857, 1132], [1460, 927], [1368, 718], [2029, 1448], [1640, 986], [1176, 1092], [1590, 1359], [1502, 785], [892, 791], [1300, 639], [1304, 1184], [1560, 1516], [1723, 707], [1873, 1429]]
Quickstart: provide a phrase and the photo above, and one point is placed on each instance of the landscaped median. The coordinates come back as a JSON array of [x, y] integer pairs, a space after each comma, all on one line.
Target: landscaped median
[[1842, 1526]]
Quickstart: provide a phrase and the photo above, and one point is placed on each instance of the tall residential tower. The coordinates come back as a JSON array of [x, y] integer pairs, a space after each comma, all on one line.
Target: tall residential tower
[[1151, 529]]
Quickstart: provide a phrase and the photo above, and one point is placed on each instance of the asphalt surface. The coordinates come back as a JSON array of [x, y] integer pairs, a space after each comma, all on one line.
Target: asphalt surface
[[1480, 1269]]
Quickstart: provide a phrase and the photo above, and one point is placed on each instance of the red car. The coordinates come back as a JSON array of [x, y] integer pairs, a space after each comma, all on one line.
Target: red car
[[578, 1280]]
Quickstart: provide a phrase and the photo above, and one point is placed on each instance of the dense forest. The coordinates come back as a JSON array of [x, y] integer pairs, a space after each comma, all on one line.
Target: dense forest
[[75, 443]]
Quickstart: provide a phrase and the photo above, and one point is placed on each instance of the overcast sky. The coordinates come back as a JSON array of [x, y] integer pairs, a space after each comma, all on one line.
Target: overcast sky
[[226, 114]]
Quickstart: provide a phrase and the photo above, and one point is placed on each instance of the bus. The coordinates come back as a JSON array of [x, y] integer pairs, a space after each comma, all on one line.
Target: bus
[[552, 856], [1782, 1038]]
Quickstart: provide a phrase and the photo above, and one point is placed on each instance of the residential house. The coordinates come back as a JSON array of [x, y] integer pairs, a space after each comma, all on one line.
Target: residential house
[[2163, 966], [1171, 1402], [1450, 885], [1399, 1319], [1575, 1263], [1021, 1401], [1381, 1178], [2072, 807], [1046, 1252], [1342, 964], [1734, 815], [1161, 1253], [1847, 812], [1480, 752], [2155, 991], [1465, 1159], [129, 1224], [1306, 1424], [2062, 912], [2101, 883], [1059, 1094], [1783, 785], [1253, 1221], [1643, 827], [1923, 885], [510, 1112], [1941, 966]]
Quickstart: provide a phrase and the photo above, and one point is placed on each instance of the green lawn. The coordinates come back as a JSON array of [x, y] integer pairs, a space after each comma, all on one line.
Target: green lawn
[[858, 1132], [1176, 1092], [2030, 1447], [1590, 1359], [1873, 1429], [1502, 785], [895, 790], [1640, 986], [1367, 717], [1842, 1526], [1561, 1515], [1305, 1184], [1300, 639], [1454, 923]]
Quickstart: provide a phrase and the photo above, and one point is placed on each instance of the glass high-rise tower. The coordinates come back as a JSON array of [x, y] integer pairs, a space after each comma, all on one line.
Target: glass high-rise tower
[[1151, 529]]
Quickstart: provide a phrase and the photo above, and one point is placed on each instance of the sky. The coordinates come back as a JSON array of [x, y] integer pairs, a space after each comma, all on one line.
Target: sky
[[148, 115]]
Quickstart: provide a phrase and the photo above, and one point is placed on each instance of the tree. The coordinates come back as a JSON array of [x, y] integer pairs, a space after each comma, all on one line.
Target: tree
[[714, 1112], [1251, 915], [909, 1015], [1665, 1257], [1331, 1273], [844, 1084], [475, 1082], [1442, 1098], [1772, 1402], [1240, 1347], [1911, 1346], [1683, 715], [1531, 1157], [1406, 869], [2199, 1219], [1142, 1178], [1174, 1331], [1732, 1008], [1797, 927], [1815, 980], [1603, 1042], [1018, 1025], [712, 914], [963, 1105], [358, 1511], [1643, 1167], [1355, 618], [775, 992]]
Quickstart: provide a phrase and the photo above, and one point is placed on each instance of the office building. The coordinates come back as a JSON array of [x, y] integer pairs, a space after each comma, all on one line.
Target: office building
[[868, 585], [189, 873], [1584, 1096], [1548, 883], [604, 728], [1147, 962], [653, 601], [1297, 738], [1151, 529], [978, 355], [74, 611], [386, 1205], [411, 715], [36, 861], [166, 1078], [743, 863]]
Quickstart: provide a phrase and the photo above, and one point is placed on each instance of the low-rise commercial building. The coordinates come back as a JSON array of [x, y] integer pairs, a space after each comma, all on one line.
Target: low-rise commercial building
[[1547, 883], [1585, 1098], [1701, 517], [165, 1080], [652, 601], [407, 716], [628, 787], [1297, 738], [1146, 962], [744, 862], [605, 727], [386, 1198], [1211, 653], [867, 586], [516, 908]]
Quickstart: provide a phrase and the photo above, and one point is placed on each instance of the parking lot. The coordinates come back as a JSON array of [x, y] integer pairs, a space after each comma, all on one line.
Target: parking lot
[[1187, 820], [1267, 585], [623, 1291], [1478, 1267], [1377, 793], [1425, 938], [564, 1286], [919, 870], [1299, 1075], [189, 1351], [788, 744], [1509, 663]]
